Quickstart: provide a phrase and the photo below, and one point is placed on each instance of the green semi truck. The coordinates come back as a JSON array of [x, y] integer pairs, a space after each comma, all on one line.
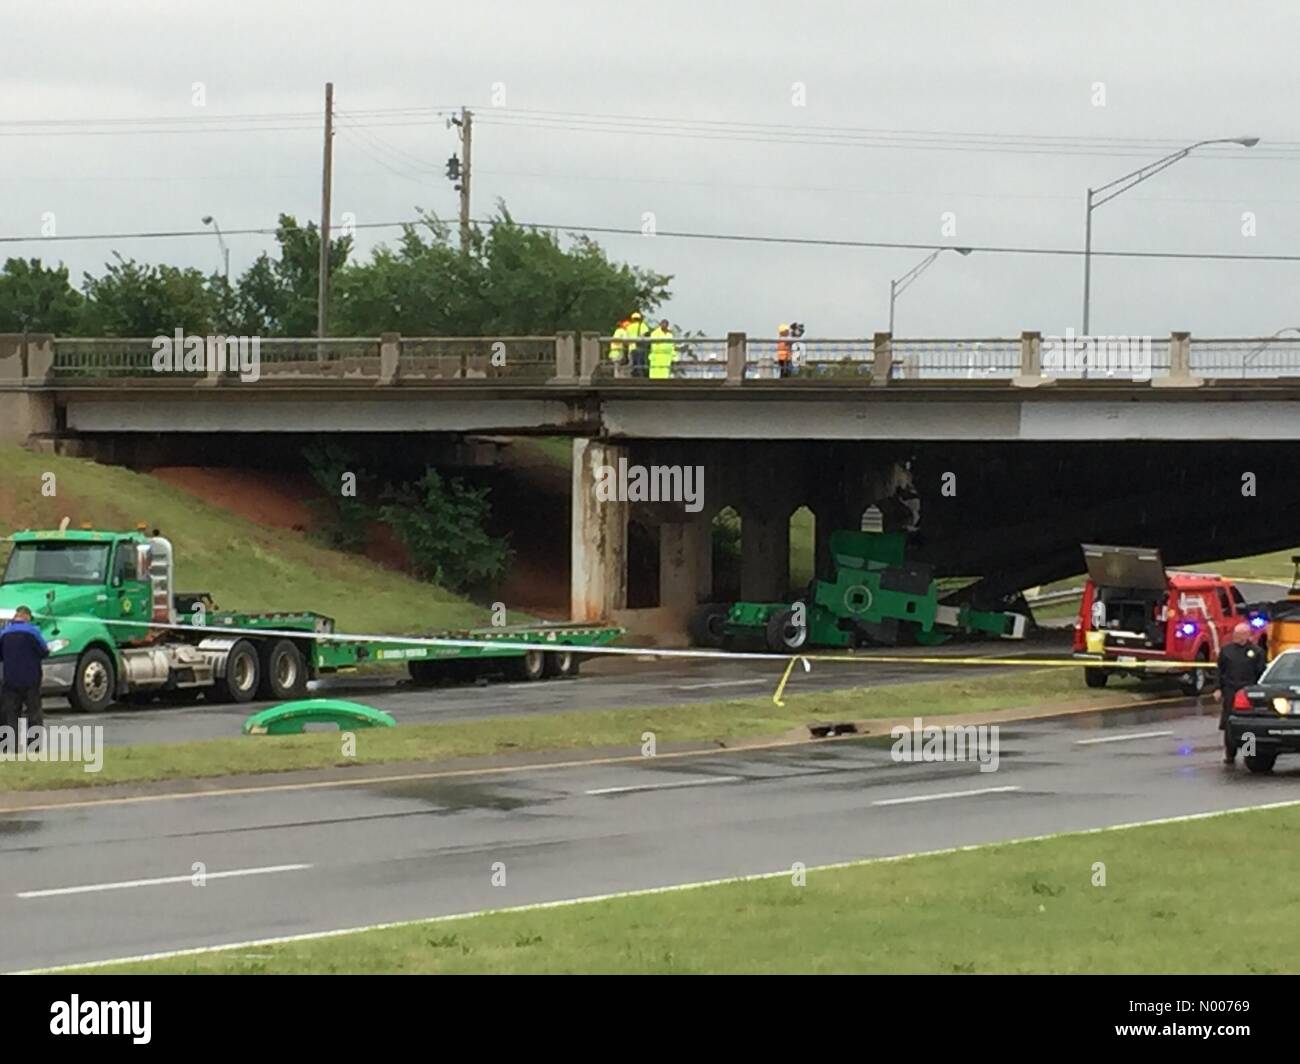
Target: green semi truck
[[119, 631], [876, 596]]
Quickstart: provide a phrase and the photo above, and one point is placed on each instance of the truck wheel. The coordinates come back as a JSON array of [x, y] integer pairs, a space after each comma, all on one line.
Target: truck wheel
[[530, 665], [783, 634], [561, 664], [1095, 677], [1195, 685], [283, 674], [95, 682], [243, 672], [426, 673], [707, 626], [1261, 764]]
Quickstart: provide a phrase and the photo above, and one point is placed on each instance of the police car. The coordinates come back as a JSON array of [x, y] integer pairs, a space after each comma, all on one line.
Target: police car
[[1265, 717]]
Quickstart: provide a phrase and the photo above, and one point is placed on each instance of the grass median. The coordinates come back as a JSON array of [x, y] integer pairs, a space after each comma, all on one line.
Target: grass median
[[730, 720], [1169, 903]]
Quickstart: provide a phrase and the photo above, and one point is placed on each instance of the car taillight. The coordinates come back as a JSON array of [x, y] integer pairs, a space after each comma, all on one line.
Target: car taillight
[[1240, 702]]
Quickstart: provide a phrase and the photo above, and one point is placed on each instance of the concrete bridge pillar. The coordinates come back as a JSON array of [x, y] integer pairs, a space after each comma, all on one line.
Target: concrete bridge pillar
[[598, 574], [765, 560], [830, 515], [680, 555]]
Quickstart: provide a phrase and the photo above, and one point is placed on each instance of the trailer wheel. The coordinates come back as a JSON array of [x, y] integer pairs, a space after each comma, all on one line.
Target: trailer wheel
[[783, 634], [1095, 677], [426, 673], [561, 664], [95, 683], [283, 674], [707, 627], [243, 673], [530, 665]]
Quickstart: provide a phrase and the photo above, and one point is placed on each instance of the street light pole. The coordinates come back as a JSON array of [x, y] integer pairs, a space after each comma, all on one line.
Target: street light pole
[[1250, 355], [1127, 182], [898, 287], [225, 251]]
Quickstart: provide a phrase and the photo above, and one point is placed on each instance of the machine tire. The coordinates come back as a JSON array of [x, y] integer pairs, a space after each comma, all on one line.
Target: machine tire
[[94, 685], [1095, 677], [782, 636], [530, 665], [1199, 682], [283, 672], [243, 674], [1261, 764], [706, 626], [561, 664]]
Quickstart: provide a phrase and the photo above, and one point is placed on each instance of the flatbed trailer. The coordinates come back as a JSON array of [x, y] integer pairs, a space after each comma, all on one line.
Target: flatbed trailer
[[427, 663], [117, 631]]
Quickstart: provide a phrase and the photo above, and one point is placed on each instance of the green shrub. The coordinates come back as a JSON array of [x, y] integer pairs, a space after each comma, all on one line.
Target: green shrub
[[443, 524]]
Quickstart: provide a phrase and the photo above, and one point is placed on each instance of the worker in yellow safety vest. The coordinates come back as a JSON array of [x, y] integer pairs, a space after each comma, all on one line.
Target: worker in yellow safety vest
[[663, 352], [616, 348], [637, 330]]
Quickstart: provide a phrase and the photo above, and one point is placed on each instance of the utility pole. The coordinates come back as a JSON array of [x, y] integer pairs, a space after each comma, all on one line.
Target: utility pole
[[327, 180], [466, 124]]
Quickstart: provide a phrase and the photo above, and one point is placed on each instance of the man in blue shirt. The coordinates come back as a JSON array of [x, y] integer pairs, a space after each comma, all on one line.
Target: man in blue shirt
[[22, 649]]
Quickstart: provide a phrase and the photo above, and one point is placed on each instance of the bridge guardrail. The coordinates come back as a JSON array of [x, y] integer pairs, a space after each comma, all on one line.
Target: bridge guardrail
[[737, 358]]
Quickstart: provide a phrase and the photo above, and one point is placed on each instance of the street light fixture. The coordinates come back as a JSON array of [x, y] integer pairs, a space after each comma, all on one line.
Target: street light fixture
[[1124, 184], [1250, 355], [207, 219], [896, 288]]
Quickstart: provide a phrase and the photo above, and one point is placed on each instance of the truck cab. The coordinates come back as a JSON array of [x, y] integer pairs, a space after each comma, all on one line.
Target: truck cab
[[1133, 609], [84, 588]]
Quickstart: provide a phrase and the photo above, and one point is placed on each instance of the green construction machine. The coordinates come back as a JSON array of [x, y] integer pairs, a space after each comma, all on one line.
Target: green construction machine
[[876, 597]]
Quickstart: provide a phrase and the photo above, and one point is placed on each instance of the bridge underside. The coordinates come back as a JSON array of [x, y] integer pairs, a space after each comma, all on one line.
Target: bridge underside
[[1010, 511]]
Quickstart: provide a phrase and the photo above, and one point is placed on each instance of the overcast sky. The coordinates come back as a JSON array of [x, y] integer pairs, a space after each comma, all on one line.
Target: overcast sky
[[1173, 72]]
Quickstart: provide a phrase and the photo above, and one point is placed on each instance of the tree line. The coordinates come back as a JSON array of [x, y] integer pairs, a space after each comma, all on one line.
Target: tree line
[[509, 280]]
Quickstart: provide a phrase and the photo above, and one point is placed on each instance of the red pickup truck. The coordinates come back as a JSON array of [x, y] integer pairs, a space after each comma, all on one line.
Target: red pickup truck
[[1133, 610]]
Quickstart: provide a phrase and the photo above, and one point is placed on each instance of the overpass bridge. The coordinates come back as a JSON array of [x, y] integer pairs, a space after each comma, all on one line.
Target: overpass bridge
[[1015, 453], [877, 389]]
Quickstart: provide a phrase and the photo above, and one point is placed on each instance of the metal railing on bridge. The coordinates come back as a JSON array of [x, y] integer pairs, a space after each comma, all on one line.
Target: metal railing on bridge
[[569, 359]]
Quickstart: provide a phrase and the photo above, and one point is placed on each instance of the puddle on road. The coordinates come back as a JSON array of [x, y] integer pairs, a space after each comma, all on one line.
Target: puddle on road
[[455, 796], [18, 827]]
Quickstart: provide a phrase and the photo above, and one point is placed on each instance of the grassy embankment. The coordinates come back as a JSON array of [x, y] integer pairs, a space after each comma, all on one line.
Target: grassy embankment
[[242, 565]]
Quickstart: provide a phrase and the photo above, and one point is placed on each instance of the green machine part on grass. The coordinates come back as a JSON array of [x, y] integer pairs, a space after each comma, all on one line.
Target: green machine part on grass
[[290, 718], [875, 593]]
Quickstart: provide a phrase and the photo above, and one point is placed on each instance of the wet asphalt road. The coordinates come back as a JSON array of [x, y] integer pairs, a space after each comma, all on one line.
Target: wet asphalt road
[[376, 851], [604, 684]]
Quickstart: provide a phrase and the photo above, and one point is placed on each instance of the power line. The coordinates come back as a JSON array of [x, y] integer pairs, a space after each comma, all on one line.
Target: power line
[[605, 123], [989, 249]]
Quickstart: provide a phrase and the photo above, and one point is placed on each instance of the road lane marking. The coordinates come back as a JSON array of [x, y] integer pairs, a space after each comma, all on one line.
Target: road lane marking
[[945, 794], [741, 747], [94, 888], [1123, 738], [719, 683], [783, 873], [665, 786]]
